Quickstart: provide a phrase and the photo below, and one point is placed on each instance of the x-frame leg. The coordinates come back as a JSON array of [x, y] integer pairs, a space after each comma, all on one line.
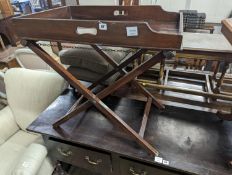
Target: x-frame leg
[[150, 98], [117, 68], [123, 72], [114, 86], [95, 99]]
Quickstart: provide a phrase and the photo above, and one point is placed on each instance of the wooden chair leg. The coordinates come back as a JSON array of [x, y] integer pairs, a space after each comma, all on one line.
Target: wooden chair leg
[[216, 70], [161, 72], [220, 81], [208, 87]]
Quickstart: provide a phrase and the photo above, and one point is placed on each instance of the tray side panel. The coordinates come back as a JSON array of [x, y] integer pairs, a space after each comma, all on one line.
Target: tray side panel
[[115, 35], [142, 13]]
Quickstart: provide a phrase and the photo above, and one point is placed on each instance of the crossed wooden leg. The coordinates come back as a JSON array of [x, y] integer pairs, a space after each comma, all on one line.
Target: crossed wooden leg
[[114, 86], [96, 99], [115, 65], [150, 98]]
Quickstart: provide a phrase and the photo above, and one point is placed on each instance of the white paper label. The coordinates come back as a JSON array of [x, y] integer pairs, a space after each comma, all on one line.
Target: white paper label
[[102, 26], [132, 31], [159, 159], [165, 162]]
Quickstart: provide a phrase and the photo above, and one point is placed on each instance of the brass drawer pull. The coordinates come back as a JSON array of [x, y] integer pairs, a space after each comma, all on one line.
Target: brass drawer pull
[[132, 171], [92, 162], [64, 153]]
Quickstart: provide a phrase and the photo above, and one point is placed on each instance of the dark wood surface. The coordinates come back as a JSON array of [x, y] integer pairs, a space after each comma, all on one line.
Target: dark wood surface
[[156, 28], [194, 142]]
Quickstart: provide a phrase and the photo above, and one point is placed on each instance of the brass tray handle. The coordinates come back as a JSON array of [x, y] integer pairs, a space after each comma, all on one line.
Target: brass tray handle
[[132, 171], [120, 13], [93, 162], [84, 30], [64, 153]]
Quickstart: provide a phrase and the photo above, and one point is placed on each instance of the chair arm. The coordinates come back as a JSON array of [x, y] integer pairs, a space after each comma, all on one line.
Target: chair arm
[[8, 124], [31, 160]]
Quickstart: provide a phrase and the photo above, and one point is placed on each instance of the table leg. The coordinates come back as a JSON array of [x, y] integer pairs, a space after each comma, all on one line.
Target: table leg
[[220, 81], [216, 70], [95, 100], [161, 72]]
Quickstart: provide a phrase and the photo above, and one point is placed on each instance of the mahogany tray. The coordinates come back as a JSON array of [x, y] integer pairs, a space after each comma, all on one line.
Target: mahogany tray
[[126, 26], [227, 29]]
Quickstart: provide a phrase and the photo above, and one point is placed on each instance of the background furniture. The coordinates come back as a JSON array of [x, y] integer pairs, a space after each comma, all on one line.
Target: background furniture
[[29, 60], [88, 65], [227, 29], [207, 88], [28, 93], [91, 142]]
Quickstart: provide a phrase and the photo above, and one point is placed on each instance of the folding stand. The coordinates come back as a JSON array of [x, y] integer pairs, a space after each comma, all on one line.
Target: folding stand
[[140, 35], [96, 99]]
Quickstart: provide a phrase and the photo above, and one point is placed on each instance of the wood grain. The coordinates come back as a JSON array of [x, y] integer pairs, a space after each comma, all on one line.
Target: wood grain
[[227, 29]]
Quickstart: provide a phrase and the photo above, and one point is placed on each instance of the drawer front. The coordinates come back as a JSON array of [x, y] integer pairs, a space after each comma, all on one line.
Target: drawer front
[[128, 167], [80, 157]]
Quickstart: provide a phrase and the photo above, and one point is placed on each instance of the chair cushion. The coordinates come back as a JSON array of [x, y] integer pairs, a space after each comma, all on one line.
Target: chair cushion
[[7, 119], [90, 59], [29, 92], [13, 148], [31, 160], [90, 76], [47, 167]]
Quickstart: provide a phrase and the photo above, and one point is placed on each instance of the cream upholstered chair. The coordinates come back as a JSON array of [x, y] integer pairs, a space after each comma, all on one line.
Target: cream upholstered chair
[[29, 92]]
